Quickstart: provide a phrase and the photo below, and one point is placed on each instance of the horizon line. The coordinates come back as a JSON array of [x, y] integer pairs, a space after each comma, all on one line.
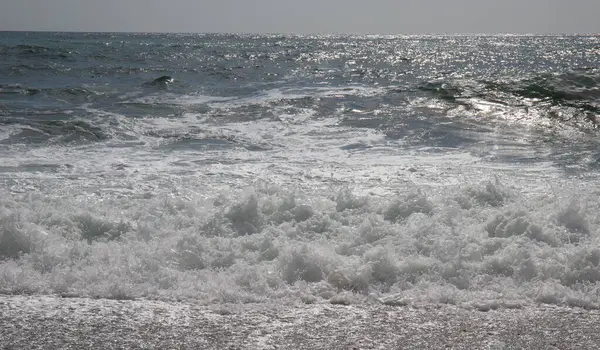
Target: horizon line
[[300, 33]]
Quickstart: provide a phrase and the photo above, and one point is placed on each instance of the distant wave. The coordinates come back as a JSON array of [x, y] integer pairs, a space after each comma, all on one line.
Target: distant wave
[[42, 131], [571, 98], [36, 51]]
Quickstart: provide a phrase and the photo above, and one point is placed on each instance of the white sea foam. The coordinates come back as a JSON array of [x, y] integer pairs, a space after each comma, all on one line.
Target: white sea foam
[[480, 242]]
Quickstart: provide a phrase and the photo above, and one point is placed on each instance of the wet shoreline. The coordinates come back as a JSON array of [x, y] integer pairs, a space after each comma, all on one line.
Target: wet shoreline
[[41, 322]]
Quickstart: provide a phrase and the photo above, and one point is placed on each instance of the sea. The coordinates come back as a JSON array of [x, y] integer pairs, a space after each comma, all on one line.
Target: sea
[[290, 169]]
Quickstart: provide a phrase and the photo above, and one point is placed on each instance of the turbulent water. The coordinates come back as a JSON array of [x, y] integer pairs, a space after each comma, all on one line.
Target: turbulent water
[[343, 169]]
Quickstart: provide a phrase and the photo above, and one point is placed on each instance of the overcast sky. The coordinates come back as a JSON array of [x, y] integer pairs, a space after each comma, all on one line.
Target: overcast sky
[[307, 16]]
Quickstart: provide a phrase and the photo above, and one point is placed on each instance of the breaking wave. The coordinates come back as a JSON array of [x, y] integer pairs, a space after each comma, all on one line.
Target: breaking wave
[[473, 244]]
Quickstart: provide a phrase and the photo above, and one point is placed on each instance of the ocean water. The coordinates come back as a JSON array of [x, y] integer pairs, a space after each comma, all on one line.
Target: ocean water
[[319, 169]]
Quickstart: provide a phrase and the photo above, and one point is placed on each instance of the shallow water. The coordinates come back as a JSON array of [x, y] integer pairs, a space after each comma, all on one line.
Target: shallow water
[[42, 322]]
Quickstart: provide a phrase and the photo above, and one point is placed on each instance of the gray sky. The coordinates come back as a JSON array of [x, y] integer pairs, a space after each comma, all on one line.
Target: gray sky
[[307, 16]]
